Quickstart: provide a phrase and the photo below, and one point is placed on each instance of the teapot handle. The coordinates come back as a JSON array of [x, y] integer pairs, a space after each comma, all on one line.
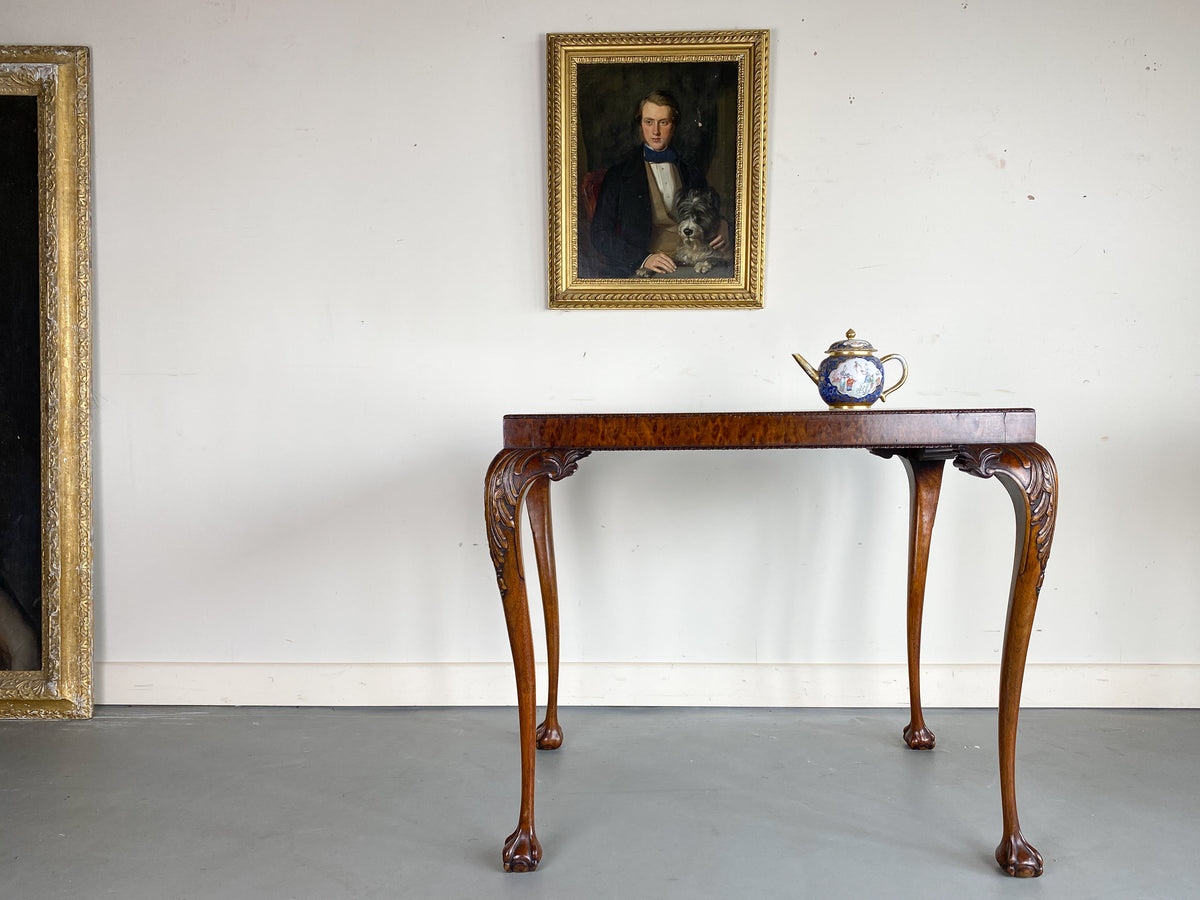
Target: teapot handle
[[903, 373]]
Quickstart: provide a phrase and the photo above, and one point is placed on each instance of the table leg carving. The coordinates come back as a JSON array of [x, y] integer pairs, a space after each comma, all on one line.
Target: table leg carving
[[925, 486], [509, 479], [1029, 474], [549, 732]]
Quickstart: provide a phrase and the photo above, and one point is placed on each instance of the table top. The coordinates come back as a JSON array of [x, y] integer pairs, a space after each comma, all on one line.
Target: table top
[[871, 428]]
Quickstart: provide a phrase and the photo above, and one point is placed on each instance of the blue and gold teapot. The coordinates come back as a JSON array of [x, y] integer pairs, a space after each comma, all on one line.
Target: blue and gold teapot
[[851, 376]]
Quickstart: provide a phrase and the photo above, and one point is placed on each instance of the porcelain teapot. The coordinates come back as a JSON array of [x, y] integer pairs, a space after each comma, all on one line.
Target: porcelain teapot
[[851, 376]]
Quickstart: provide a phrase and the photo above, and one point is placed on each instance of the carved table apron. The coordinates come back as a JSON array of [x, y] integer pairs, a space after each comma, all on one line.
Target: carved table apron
[[984, 442]]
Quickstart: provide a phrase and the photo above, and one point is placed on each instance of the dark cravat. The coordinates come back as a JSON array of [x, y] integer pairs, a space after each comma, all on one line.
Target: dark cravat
[[659, 156]]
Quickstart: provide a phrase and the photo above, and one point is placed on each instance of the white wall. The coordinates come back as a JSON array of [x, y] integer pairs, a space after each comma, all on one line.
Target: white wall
[[320, 282]]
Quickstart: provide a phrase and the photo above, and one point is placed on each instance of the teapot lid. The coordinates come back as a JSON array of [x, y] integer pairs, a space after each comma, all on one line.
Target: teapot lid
[[851, 344]]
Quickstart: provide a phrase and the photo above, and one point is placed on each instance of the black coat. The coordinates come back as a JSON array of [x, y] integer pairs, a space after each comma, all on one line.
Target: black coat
[[621, 226]]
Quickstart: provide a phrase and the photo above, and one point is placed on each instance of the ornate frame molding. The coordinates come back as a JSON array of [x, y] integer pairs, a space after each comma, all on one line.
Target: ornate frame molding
[[741, 287], [60, 79]]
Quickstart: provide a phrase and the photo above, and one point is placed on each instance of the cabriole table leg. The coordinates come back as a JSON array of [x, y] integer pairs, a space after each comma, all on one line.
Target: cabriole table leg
[[509, 479], [549, 733], [925, 486], [1028, 472]]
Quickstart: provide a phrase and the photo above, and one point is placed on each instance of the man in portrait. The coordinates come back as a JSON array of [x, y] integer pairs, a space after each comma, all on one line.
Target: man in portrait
[[634, 226]]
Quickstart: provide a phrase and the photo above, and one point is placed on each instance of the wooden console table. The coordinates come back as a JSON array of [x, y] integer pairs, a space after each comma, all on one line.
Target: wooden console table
[[982, 442]]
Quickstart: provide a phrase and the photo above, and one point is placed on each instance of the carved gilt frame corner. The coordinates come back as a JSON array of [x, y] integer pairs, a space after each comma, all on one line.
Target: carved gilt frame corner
[[594, 82], [59, 79]]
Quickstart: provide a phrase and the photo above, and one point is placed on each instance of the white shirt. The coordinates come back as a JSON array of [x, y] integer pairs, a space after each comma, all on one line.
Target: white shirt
[[666, 176]]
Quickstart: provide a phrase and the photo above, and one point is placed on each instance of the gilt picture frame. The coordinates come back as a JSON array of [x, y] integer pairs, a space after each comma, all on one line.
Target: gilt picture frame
[[608, 214], [45, 383]]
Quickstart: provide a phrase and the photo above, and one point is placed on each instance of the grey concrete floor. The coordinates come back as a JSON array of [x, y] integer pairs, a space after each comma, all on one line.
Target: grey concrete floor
[[162, 803]]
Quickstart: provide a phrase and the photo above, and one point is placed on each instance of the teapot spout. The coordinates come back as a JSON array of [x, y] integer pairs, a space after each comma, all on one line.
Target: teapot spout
[[808, 370]]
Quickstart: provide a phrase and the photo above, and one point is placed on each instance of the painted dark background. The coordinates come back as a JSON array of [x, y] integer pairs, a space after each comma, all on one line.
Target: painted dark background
[[706, 135], [20, 369]]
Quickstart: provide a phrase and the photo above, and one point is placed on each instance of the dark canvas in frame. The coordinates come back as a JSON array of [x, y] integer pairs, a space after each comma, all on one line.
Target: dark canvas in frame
[[20, 388]]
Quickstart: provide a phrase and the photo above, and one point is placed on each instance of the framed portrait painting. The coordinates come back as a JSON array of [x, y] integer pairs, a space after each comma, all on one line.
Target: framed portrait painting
[[656, 151], [45, 374]]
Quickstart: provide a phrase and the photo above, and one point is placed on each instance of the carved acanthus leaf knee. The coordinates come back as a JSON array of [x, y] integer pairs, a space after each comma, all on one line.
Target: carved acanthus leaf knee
[[509, 477], [1031, 469]]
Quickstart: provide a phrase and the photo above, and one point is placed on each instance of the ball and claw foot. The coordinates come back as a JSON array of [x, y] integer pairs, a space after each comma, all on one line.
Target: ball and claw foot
[[549, 736], [920, 738], [1018, 858], [522, 851]]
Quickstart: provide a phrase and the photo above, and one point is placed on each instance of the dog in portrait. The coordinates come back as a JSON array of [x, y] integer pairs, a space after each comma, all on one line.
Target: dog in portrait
[[698, 213]]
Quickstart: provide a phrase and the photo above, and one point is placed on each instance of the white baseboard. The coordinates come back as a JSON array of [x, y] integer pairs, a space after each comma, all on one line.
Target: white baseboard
[[637, 684]]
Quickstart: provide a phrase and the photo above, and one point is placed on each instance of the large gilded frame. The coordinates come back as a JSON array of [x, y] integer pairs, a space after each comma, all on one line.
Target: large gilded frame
[[59, 78], [574, 283]]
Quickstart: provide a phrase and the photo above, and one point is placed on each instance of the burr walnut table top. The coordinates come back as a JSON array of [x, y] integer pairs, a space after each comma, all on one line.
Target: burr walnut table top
[[764, 430]]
